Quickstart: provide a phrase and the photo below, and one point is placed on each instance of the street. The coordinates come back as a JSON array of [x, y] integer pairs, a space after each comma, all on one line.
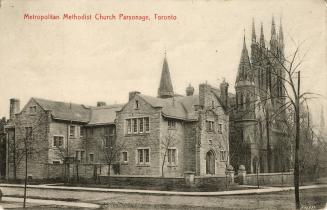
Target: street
[[310, 199]]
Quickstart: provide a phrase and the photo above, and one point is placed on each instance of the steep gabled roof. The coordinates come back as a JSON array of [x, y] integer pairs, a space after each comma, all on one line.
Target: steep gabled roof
[[104, 115], [65, 111], [181, 107]]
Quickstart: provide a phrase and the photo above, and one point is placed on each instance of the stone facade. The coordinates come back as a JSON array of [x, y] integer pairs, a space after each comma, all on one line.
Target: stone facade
[[256, 138]]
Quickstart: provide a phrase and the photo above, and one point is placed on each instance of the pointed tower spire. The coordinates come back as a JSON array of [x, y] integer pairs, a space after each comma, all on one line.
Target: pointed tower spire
[[165, 88], [254, 37], [281, 38], [262, 37], [273, 28], [244, 68], [273, 39]]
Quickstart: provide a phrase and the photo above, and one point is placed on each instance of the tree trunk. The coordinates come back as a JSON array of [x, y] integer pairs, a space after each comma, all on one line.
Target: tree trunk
[[163, 164], [25, 184]]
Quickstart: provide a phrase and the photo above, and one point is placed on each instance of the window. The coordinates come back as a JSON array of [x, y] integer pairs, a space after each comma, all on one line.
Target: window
[[28, 133], [56, 162], [223, 155], [109, 136], [82, 132], [82, 156], [171, 124], [136, 104], [220, 128], [58, 141], [172, 156], [124, 156], [33, 110], [213, 104], [210, 125], [147, 124], [91, 157], [134, 125], [72, 130], [210, 142], [137, 125], [141, 125], [143, 156], [129, 126], [77, 156], [109, 141]]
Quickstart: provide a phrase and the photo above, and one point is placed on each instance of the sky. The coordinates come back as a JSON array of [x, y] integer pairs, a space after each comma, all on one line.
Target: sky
[[89, 61]]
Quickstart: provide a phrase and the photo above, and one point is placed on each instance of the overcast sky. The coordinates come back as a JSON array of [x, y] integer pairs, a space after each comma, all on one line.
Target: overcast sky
[[90, 61]]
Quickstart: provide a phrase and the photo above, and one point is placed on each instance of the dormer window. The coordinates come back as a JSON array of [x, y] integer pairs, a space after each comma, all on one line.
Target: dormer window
[[136, 104]]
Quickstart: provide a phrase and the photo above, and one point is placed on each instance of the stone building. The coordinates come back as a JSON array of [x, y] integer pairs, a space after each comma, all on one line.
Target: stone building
[[55, 132], [258, 111], [172, 134]]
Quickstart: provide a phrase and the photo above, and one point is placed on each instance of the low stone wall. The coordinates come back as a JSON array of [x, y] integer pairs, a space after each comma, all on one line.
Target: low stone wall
[[166, 183], [213, 182], [286, 178]]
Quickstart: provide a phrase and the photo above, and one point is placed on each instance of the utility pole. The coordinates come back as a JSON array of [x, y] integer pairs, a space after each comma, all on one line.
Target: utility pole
[[297, 142]]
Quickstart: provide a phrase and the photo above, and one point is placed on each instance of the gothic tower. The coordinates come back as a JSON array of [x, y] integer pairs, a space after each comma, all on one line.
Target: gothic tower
[[245, 117], [165, 89]]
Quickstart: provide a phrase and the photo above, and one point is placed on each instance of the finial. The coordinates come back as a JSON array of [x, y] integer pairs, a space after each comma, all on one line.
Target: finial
[[165, 51]]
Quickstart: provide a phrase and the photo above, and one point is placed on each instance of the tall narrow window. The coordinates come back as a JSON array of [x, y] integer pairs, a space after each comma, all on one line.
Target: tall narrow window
[[147, 124], [124, 156], [136, 104], [91, 157], [135, 125], [220, 128], [172, 156], [129, 126], [72, 131], [141, 128]]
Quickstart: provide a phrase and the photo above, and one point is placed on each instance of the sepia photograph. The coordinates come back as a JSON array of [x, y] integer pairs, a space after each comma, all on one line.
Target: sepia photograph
[[176, 104]]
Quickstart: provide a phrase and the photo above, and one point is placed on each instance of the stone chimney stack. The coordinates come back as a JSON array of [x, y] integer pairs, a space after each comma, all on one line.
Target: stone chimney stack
[[189, 90], [204, 95], [14, 107], [132, 94], [101, 103], [224, 92]]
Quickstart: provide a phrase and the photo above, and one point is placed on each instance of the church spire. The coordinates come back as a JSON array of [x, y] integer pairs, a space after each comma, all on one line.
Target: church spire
[[281, 38], [244, 68], [262, 37], [273, 39], [254, 38], [165, 88]]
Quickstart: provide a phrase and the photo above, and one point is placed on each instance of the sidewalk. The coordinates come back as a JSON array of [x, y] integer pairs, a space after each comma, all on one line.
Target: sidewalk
[[52, 202], [157, 192]]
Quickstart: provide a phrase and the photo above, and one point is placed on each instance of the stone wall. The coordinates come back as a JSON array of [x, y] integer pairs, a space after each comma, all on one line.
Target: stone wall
[[286, 178]]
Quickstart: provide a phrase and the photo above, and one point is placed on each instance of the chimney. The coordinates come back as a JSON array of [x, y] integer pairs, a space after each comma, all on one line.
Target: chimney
[[189, 90], [14, 107], [204, 95], [132, 94], [101, 103], [224, 93]]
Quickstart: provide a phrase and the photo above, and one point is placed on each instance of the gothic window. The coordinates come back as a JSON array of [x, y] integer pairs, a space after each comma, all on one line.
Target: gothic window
[[242, 101], [248, 101]]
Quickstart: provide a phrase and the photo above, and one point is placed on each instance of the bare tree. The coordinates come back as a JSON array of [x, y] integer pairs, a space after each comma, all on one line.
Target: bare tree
[[167, 142]]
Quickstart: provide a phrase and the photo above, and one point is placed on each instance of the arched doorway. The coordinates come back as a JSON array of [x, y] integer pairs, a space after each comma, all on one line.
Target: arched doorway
[[210, 162]]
